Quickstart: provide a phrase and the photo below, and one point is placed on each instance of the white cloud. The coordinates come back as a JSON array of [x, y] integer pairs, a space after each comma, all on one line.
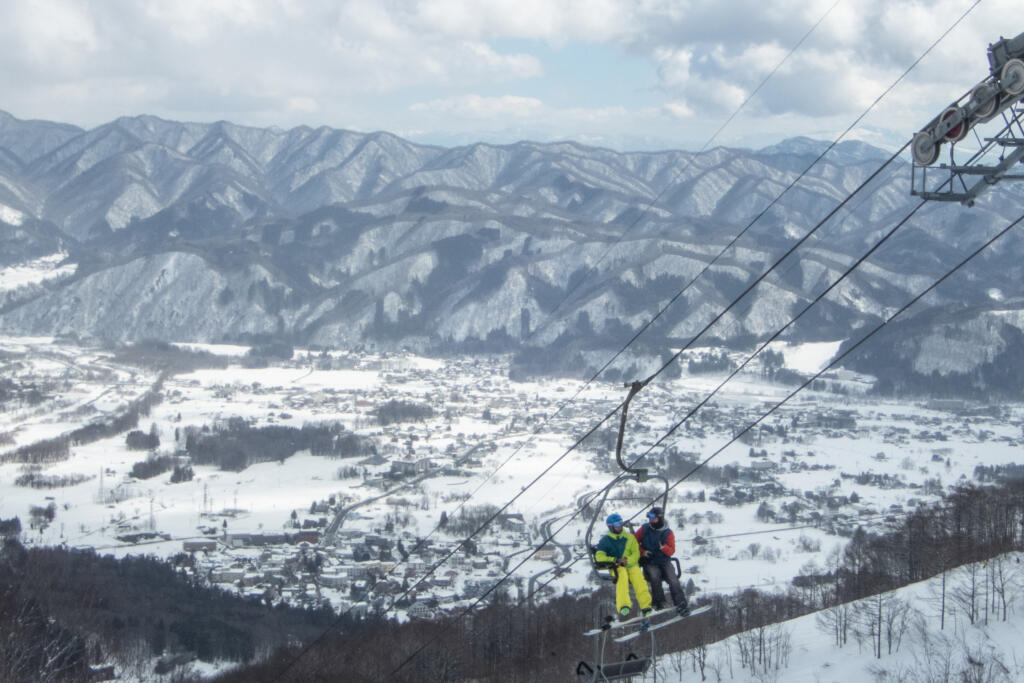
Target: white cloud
[[198, 21], [591, 20], [711, 55], [363, 62], [673, 66], [679, 110], [48, 36]]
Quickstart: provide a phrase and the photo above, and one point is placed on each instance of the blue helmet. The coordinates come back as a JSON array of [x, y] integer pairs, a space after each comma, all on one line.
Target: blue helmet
[[614, 519]]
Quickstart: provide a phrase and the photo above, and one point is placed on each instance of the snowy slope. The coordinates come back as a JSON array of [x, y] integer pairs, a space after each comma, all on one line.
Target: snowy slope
[[804, 649]]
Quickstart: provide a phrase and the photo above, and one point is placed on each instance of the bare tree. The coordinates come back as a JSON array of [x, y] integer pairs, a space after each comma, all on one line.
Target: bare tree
[[966, 588], [1005, 573], [837, 621], [699, 658], [937, 594], [765, 648], [896, 619], [882, 620], [866, 624], [721, 665], [677, 660]]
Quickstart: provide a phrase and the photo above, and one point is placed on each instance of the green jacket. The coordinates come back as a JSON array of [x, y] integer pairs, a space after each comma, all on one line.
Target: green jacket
[[612, 546]]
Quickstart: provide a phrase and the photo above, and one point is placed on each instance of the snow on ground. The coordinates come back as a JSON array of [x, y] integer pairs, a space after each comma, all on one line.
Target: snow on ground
[[805, 651], [22, 344], [35, 271], [272, 378], [70, 387], [232, 350], [807, 358], [482, 440]]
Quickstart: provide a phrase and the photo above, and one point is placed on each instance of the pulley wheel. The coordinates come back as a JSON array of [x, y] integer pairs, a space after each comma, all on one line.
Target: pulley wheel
[[1012, 77], [957, 132], [924, 149], [986, 108]]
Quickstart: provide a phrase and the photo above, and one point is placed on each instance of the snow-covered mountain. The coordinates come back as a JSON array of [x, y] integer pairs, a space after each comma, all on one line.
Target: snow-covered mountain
[[220, 232]]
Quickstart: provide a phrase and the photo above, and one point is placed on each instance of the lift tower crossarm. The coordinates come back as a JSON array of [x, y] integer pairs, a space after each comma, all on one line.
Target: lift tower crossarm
[[990, 175]]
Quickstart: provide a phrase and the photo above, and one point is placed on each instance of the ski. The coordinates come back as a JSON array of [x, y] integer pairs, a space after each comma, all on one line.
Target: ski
[[662, 624], [612, 623]]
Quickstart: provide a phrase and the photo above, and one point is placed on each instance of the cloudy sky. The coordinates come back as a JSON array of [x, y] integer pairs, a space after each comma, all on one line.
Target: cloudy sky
[[626, 74]]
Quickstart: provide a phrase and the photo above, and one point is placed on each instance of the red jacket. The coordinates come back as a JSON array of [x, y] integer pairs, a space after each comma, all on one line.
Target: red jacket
[[660, 542]]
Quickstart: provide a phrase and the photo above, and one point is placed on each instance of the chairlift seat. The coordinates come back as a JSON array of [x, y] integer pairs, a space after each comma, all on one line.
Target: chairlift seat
[[629, 667], [599, 567]]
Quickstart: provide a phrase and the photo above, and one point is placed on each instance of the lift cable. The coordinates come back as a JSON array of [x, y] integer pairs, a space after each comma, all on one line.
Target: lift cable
[[887, 515], [749, 225], [636, 388], [775, 201], [649, 379], [775, 407], [742, 232], [629, 228], [754, 283], [637, 220], [651, 204], [835, 361], [833, 212]]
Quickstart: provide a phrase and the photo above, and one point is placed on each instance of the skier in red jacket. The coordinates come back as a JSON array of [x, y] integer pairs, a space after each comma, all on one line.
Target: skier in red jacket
[[657, 546]]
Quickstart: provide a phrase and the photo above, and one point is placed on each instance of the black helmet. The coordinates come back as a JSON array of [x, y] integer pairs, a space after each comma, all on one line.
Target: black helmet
[[655, 512]]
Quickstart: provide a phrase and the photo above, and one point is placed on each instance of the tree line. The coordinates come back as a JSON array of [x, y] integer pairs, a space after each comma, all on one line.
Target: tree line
[[167, 358], [402, 411], [236, 444], [153, 466], [38, 480]]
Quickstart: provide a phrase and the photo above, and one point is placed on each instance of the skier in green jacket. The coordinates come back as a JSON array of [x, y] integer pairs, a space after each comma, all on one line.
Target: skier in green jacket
[[621, 548]]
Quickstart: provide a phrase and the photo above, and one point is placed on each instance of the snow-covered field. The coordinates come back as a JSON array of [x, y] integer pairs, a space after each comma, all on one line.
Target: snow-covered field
[[34, 272], [833, 460]]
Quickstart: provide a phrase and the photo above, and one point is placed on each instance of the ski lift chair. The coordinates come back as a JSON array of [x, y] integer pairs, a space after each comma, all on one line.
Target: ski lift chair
[[627, 668]]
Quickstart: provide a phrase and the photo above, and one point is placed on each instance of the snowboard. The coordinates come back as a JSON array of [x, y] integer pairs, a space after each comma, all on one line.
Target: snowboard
[[612, 623], [662, 624]]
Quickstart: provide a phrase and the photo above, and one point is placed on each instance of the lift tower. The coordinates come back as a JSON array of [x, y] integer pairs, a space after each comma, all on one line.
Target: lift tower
[[999, 95]]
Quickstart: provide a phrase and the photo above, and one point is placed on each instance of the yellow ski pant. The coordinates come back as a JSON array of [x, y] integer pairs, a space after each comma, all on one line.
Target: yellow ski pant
[[623, 577]]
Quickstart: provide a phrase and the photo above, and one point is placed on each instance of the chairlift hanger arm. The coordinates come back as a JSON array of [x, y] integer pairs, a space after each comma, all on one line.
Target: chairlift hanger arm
[[639, 473]]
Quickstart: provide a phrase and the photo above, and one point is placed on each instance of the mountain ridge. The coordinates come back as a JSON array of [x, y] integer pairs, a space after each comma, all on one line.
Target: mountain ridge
[[331, 237]]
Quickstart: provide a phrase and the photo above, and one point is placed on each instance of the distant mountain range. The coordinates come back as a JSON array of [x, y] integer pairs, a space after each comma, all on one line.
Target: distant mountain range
[[219, 232]]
